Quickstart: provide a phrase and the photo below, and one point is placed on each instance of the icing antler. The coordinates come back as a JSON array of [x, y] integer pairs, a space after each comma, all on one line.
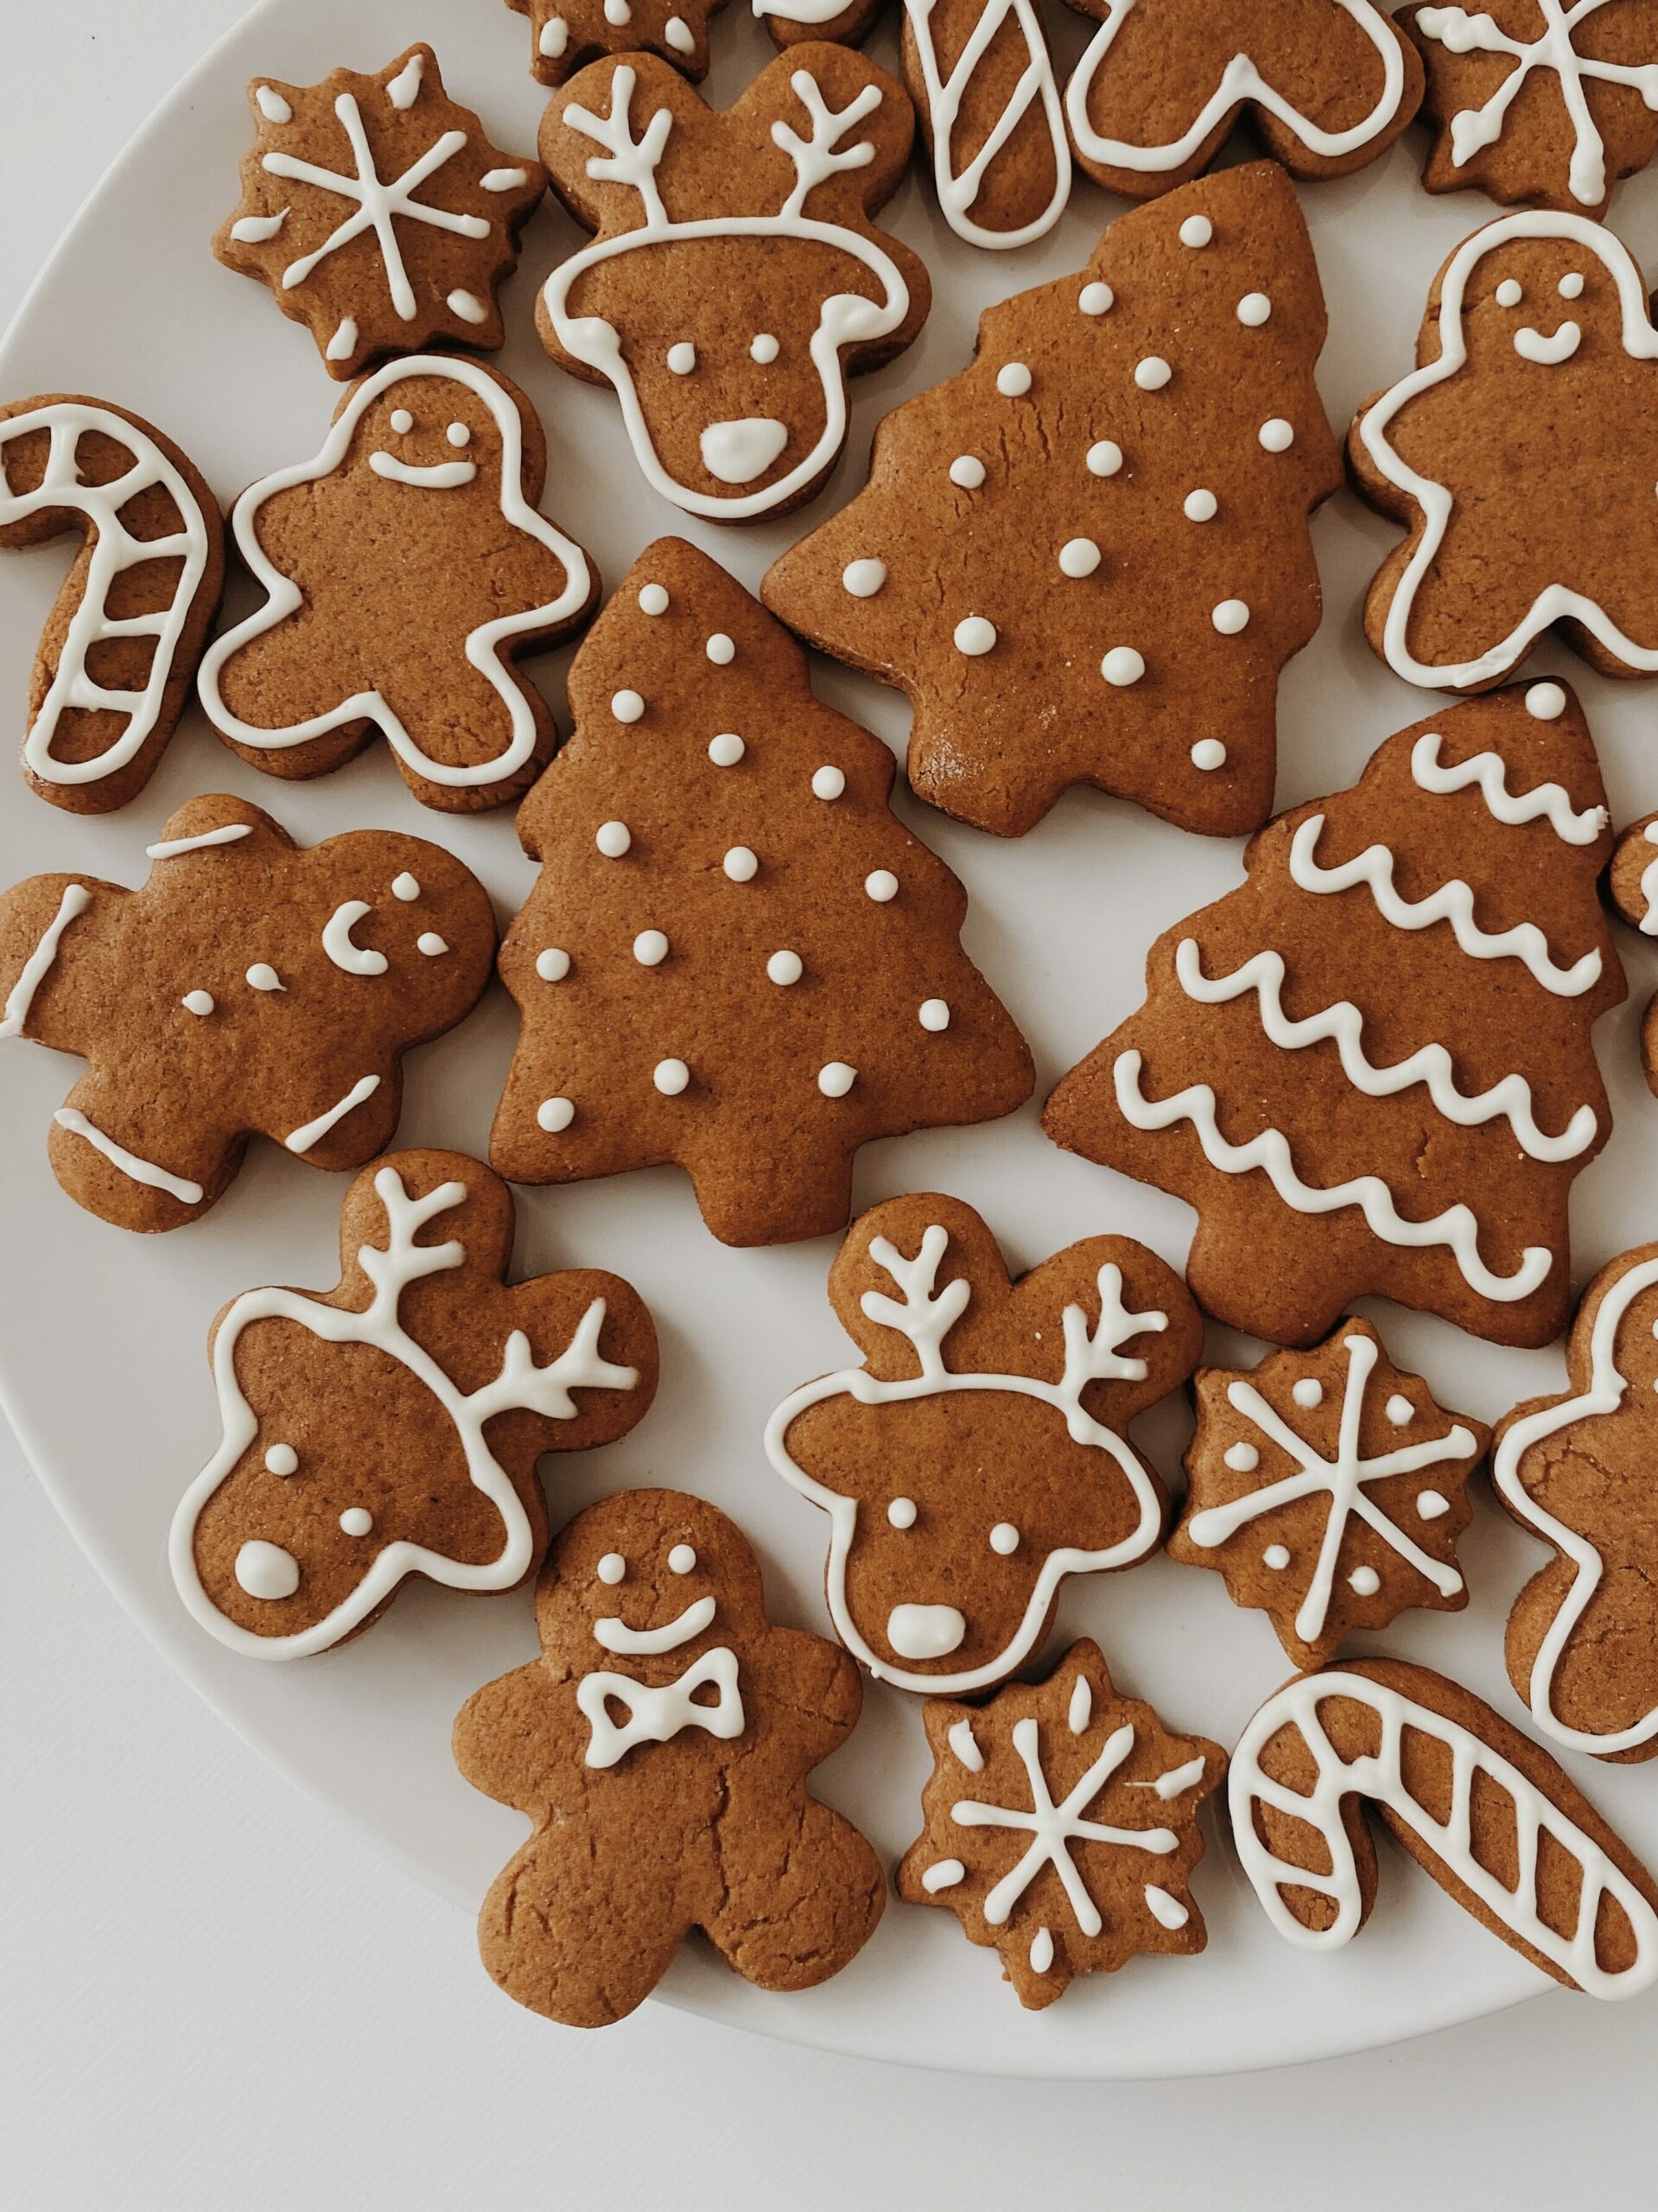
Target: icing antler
[[813, 158], [628, 161], [1096, 1356], [924, 1319]]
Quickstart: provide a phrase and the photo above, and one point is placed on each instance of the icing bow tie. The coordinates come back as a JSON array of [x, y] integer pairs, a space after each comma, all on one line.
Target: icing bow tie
[[653, 1716]]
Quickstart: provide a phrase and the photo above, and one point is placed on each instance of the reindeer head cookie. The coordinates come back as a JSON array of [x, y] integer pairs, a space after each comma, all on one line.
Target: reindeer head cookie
[[979, 1454], [249, 988], [391, 1427], [737, 278], [661, 1744]]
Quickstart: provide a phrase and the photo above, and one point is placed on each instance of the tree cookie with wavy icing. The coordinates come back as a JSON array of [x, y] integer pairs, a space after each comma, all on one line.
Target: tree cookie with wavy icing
[[390, 1426], [566, 34], [734, 958], [1370, 1066], [1062, 1828], [1329, 1490], [378, 213], [1489, 1813], [1329, 85], [979, 1454], [737, 277], [249, 988], [1085, 558], [661, 1744], [405, 569], [1521, 454]]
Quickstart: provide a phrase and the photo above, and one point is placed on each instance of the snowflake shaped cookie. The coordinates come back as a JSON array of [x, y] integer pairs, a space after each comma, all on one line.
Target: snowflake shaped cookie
[[1061, 1826], [377, 212], [1329, 1490]]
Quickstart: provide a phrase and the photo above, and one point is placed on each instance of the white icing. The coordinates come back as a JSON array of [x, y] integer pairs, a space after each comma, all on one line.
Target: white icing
[[741, 864], [786, 967], [1364, 1581], [1200, 506], [682, 358], [266, 1571], [555, 1114], [967, 471], [310, 1132], [626, 706], [1013, 380], [836, 1079], [555, 37], [763, 349], [553, 964], [1308, 1392], [1004, 1539], [1152, 373], [965, 1745], [429, 943], [1197, 231], [653, 599], [654, 1716], [863, 579], [1209, 754], [1548, 352], [726, 749], [75, 900], [1488, 772], [1096, 298], [1253, 309], [354, 959], [901, 1512], [672, 1077], [272, 105], [679, 34], [943, 1875], [651, 948], [170, 848], [975, 636], [197, 1002], [135, 1169], [262, 976], [1080, 1711], [942, 99], [1509, 293], [613, 839], [1243, 1458], [1166, 1911], [721, 650], [882, 885], [255, 230], [435, 476], [1042, 1950], [1104, 458], [614, 1634], [1545, 701], [925, 1631], [681, 1559], [612, 1568], [1276, 1556], [282, 1459], [1122, 666], [1400, 1410], [502, 180], [1275, 435], [933, 1015], [827, 782], [356, 1521], [405, 87], [1230, 617], [1430, 1504], [1078, 557]]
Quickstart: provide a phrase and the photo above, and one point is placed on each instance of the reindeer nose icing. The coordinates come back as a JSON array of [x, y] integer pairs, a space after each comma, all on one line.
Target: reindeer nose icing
[[925, 1631], [739, 451]]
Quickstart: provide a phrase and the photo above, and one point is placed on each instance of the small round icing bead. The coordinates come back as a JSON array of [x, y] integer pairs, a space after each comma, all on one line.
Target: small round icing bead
[[356, 1521], [1400, 1409], [651, 948], [1571, 285], [1104, 458], [1014, 381], [282, 1459], [266, 1570], [1254, 309], [1365, 1582], [553, 965], [975, 636], [404, 886], [967, 471], [1276, 434], [653, 599], [681, 1559], [1200, 505], [1243, 1459], [1431, 1504], [197, 1002], [401, 421], [612, 839], [430, 944], [1079, 557], [1004, 1538], [618, 13], [863, 579], [262, 976], [612, 1567], [1208, 754], [1152, 373], [682, 358], [1276, 1557], [726, 750], [1229, 617], [827, 782], [934, 1015], [740, 864], [626, 706], [836, 1078], [1096, 299], [1508, 294], [786, 967], [670, 1077], [554, 1114], [1121, 666], [1197, 230], [458, 434], [1545, 701], [901, 1513], [720, 650], [764, 348], [882, 885], [1308, 1392]]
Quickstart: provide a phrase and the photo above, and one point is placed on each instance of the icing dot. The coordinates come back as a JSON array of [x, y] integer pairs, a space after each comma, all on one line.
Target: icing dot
[[1242, 1457], [1546, 701], [882, 885], [555, 36], [1400, 1409], [836, 1078], [612, 839], [863, 579], [934, 1015], [1508, 294], [1253, 309], [263, 977], [282, 1459], [1014, 381], [617, 13], [679, 34], [720, 650], [468, 306], [1004, 1538], [653, 599], [405, 887], [1276, 434], [458, 434], [1042, 1950], [1200, 506], [1104, 458], [670, 1077], [1430, 1505], [612, 1567], [1096, 299], [1229, 617], [356, 1521], [1208, 754], [1079, 557], [786, 967], [1152, 373], [967, 471], [626, 706], [740, 864], [901, 1513], [650, 948], [764, 348], [1571, 286], [681, 1559], [1308, 1392], [266, 1570], [827, 782], [1197, 230], [272, 106], [430, 944], [197, 1002], [726, 750], [1276, 1557], [974, 636], [554, 1114], [1365, 1582], [401, 421], [682, 358], [553, 965], [1121, 666]]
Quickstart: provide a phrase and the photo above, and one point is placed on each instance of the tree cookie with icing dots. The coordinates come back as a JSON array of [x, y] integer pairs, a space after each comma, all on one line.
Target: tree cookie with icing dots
[[980, 1454], [661, 1744], [1521, 454], [405, 569], [566, 34], [117, 656], [391, 1427], [1371, 1067], [1329, 85], [378, 213], [1501, 1827], [1632, 884], [734, 958], [1329, 1490], [1085, 558], [249, 988], [1062, 1828], [737, 277], [1546, 101]]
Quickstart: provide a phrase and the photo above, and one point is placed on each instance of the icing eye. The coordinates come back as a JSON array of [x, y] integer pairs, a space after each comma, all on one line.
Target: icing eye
[[1571, 286], [612, 1567], [681, 1559], [281, 1459], [401, 421], [1509, 293], [1004, 1538], [682, 358], [901, 1513], [764, 348], [458, 434]]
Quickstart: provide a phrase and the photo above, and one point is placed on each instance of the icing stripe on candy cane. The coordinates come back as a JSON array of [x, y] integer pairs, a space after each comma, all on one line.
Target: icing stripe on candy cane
[[957, 190], [1487, 771]]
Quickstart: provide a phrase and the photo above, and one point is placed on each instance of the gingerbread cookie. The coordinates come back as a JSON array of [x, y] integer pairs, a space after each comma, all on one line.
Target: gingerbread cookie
[[249, 987], [1518, 524], [566, 34], [737, 278], [1061, 1828], [1329, 1490], [391, 1427], [119, 650], [1371, 1067], [980, 1454], [661, 1744], [1330, 85], [405, 569], [1537, 100], [734, 957], [1499, 1826], [378, 213], [1086, 558], [1633, 885]]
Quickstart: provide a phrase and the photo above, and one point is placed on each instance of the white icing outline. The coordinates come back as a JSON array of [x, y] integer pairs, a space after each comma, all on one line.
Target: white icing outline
[[957, 190], [1489, 771]]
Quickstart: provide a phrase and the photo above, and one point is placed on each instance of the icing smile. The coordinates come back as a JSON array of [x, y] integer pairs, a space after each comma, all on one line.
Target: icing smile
[[438, 476], [1548, 353], [616, 1635]]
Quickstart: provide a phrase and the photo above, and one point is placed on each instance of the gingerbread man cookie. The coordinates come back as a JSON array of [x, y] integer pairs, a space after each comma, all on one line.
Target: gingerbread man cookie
[[391, 1427], [119, 653], [378, 213], [566, 34], [1500, 1827], [1061, 1826], [737, 278], [249, 987], [404, 569], [978, 1455], [661, 1744]]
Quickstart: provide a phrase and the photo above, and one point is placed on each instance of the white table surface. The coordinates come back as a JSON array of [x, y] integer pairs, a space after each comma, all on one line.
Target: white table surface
[[213, 1995]]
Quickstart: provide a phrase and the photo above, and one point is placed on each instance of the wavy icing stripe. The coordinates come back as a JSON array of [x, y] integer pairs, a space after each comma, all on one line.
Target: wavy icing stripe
[[1342, 1025], [1487, 771], [1458, 1228]]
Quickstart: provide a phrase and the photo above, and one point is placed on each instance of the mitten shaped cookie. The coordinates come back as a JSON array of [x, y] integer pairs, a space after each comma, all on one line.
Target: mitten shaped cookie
[[1329, 1490], [378, 213], [566, 34], [404, 569], [249, 988], [1061, 1826], [737, 278], [734, 958], [980, 1454], [1086, 559], [1633, 884], [661, 1744], [391, 1427], [1371, 1067], [118, 652], [1500, 1827], [1521, 454], [1330, 85]]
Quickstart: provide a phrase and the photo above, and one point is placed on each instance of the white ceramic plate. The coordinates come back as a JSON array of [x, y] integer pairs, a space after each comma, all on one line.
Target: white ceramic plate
[[102, 1362]]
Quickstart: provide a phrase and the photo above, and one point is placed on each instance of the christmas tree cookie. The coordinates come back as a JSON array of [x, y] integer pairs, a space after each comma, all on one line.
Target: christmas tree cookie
[[734, 957], [1369, 1067], [1086, 557]]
